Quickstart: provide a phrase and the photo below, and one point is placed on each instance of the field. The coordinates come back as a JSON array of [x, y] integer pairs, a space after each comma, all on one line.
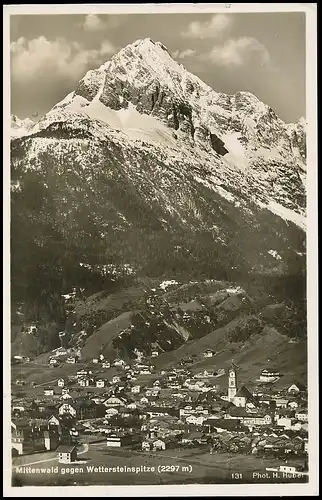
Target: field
[[43, 375], [271, 349], [166, 467]]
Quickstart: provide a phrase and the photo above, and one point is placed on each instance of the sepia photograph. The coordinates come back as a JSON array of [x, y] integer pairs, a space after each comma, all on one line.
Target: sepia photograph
[[161, 326]]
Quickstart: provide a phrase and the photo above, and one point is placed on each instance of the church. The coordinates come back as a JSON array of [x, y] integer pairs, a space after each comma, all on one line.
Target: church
[[239, 396]]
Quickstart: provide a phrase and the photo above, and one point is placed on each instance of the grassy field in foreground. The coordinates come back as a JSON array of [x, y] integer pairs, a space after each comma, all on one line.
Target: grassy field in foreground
[[190, 467]]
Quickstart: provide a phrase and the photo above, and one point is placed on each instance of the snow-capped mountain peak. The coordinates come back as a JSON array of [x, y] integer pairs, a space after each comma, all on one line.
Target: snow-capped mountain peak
[[143, 77], [20, 127], [143, 96], [146, 61]]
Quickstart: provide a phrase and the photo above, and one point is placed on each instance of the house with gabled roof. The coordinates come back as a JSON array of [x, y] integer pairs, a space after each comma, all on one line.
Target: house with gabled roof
[[159, 444], [49, 392], [67, 454], [249, 419], [119, 362], [67, 408], [195, 419], [115, 401], [65, 396], [244, 396], [296, 387], [281, 402], [293, 404], [110, 412], [64, 420], [194, 437]]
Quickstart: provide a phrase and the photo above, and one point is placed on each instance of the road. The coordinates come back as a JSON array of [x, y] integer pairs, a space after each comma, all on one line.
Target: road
[[46, 383]]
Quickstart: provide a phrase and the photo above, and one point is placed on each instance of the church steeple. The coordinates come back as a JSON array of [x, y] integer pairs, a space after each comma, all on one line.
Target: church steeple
[[232, 381]]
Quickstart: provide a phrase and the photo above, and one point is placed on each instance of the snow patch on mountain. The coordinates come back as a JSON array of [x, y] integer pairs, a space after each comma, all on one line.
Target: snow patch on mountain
[[20, 128], [137, 126], [67, 100], [275, 254], [236, 152], [287, 214], [225, 194]]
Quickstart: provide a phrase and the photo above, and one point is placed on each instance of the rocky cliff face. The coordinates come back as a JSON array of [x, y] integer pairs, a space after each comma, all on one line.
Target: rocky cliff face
[[297, 134], [144, 165]]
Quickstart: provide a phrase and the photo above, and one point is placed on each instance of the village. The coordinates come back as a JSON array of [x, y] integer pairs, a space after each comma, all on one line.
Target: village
[[134, 407]]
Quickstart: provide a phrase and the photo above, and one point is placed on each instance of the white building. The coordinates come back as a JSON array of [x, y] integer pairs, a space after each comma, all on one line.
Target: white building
[[110, 412], [67, 408], [67, 454], [196, 419], [159, 444], [114, 401], [83, 373], [153, 444], [145, 371], [61, 382], [66, 396], [100, 383], [285, 422], [48, 392], [269, 375], [139, 354], [84, 382], [119, 362], [281, 402], [296, 387], [113, 441], [71, 360], [302, 416]]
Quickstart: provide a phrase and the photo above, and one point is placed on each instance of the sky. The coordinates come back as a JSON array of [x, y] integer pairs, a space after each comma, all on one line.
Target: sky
[[262, 53]]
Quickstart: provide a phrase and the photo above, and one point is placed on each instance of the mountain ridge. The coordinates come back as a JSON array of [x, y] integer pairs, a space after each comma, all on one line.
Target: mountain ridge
[[143, 167]]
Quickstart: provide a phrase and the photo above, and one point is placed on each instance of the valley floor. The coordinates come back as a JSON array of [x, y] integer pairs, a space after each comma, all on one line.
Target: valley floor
[[188, 466]]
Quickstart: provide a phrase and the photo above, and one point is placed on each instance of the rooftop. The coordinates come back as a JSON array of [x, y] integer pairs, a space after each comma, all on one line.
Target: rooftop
[[66, 448]]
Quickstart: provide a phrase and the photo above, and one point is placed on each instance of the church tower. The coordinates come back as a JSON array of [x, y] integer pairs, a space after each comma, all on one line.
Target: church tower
[[232, 382]]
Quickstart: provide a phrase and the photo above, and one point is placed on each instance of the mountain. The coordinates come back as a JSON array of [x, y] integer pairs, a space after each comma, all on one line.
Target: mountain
[[144, 172], [297, 134], [20, 127]]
